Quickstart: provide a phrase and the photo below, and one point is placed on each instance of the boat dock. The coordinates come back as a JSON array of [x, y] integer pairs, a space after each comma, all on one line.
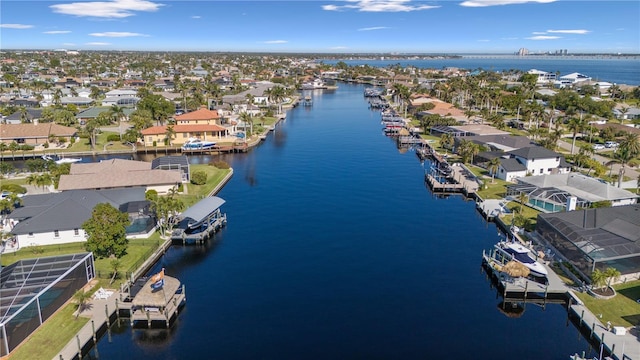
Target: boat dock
[[524, 289], [459, 180]]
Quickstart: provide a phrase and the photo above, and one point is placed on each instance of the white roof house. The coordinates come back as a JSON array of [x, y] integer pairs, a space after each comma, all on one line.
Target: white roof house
[[543, 76], [121, 92], [574, 78]]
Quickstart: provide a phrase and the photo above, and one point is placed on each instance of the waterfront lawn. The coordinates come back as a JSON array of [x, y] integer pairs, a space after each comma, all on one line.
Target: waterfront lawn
[[530, 213], [196, 192], [622, 310], [137, 252], [495, 190], [52, 336]]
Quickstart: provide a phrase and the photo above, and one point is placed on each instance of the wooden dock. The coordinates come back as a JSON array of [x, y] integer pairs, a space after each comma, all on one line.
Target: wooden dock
[[525, 289]]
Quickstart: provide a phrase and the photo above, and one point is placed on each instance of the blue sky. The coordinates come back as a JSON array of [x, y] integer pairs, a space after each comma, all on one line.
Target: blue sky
[[353, 26]]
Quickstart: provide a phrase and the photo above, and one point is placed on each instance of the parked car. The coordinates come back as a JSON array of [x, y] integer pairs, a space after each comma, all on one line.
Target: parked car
[[598, 146], [611, 144]]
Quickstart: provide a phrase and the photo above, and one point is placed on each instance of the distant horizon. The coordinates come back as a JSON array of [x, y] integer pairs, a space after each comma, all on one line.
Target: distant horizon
[[351, 27], [390, 53]]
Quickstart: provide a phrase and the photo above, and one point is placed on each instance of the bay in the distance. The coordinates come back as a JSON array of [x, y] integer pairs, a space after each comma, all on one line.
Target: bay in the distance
[[614, 70], [336, 249]]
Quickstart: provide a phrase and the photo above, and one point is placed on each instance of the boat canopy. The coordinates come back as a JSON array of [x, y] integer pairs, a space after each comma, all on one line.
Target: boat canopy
[[202, 209]]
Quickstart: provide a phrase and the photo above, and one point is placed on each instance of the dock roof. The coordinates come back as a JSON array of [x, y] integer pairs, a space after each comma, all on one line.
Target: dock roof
[[203, 208]]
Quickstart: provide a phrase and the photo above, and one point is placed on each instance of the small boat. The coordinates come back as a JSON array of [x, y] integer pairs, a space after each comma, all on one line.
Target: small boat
[[197, 144], [521, 254], [61, 160], [67, 160]]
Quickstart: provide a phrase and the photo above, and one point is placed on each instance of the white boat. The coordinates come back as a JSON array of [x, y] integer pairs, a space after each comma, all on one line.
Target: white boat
[[67, 160], [61, 160], [519, 253], [197, 144]]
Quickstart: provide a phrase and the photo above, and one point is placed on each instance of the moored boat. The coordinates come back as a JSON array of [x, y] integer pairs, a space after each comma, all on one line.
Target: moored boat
[[197, 144], [519, 253]]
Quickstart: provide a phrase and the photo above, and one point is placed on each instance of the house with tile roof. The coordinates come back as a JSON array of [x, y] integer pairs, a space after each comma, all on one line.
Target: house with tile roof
[[119, 173], [57, 218], [203, 124], [35, 133]]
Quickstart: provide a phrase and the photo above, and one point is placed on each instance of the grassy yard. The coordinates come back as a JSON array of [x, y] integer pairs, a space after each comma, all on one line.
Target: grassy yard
[[622, 310], [41, 345], [197, 192]]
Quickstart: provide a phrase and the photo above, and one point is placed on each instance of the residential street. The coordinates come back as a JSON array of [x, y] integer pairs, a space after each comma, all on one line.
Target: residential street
[[631, 173]]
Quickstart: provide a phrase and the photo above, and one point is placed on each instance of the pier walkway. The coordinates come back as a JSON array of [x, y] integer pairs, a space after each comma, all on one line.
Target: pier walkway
[[102, 313]]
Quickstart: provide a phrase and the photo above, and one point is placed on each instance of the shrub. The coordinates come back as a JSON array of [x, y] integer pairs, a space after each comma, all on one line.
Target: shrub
[[113, 137], [221, 164], [199, 178]]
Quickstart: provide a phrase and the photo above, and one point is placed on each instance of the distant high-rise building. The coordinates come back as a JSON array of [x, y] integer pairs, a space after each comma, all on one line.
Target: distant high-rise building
[[523, 52]]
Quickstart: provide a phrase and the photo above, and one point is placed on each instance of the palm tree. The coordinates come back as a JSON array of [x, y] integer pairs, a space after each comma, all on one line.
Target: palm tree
[[169, 135], [446, 140], [626, 154], [247, 119], [612, 274], [522, 198], [575, 125], [82, 298], [598, 279], [493, 166]]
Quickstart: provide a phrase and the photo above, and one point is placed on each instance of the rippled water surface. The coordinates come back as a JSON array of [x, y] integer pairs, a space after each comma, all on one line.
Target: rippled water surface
[[336, 249]]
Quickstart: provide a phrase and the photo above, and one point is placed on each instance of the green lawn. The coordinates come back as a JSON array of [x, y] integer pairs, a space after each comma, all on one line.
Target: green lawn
[[137, 252], [41, 345], [622, 310], [197, 192]]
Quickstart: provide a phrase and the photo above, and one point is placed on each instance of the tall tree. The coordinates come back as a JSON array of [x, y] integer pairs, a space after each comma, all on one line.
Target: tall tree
[[106, 231]]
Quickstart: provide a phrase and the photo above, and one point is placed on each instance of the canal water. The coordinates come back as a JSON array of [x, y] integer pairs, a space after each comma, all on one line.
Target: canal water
[[336, 249]]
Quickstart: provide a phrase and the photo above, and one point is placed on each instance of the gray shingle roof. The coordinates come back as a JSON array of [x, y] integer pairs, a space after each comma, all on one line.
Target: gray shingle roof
[[67, 210], [512, 164], [534, 152]]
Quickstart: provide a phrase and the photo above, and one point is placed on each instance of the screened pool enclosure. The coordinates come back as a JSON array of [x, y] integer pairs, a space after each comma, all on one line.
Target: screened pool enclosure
[[32, 290]]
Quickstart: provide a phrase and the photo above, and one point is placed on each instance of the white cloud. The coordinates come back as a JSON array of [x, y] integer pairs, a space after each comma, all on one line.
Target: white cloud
[[97, 43], [580, 32], [106, 9], [373, 28], [379, 6], [543, 37], [53, 32], [117, 34], [483, 3], [539, 32], [15, 26], [196, 17], [276, 42]]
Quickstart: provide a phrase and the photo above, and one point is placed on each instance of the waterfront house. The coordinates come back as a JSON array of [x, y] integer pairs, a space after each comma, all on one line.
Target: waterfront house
[[566, 192], [119, 173], [57, 218], [35, 133], [201, 124], [597, 238], [540, 161]]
